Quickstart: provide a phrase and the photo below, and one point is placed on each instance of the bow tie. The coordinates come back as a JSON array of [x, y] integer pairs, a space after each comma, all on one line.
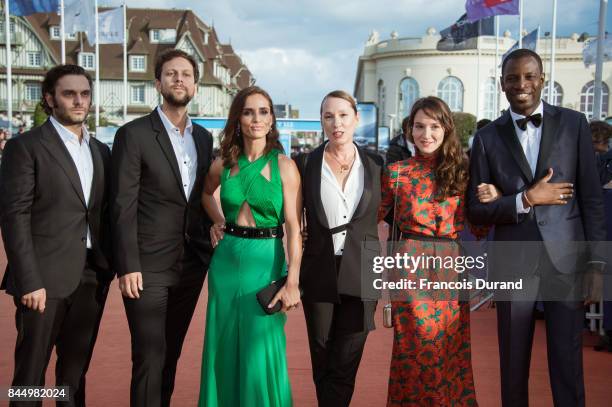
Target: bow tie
[[536, 119]]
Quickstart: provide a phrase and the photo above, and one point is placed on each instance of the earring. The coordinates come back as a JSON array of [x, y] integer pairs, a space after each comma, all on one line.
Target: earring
[[238, 130]]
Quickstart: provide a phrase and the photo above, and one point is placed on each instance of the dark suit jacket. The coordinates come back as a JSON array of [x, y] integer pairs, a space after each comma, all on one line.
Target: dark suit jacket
[[497, 158], [318, 270], [152, 218], [43, 215]]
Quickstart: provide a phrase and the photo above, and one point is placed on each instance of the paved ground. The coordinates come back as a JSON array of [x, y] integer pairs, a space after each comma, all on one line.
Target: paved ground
[[109, 376]]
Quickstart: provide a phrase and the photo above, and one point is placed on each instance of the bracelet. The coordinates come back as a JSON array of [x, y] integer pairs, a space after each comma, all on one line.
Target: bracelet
[[527, 199]]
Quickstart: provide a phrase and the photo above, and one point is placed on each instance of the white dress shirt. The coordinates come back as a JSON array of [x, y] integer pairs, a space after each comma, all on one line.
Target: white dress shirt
[[530, 141], [184, 150], [340, 205], [81, 156]]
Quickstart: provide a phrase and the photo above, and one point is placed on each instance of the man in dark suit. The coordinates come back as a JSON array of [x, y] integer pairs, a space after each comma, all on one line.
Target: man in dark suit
[[54, 219], [541, 159], [161, 247]]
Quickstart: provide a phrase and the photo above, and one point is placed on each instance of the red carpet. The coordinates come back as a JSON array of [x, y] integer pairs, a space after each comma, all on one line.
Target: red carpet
[[109, 376]]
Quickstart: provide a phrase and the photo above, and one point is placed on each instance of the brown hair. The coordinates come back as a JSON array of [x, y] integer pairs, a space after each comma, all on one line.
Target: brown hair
[[232, 144], [340, 94], [169, 55], [451, 171]]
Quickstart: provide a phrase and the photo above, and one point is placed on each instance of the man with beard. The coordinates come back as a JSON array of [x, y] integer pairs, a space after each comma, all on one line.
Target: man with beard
[[541, 159], [54, 220], [161, 249]]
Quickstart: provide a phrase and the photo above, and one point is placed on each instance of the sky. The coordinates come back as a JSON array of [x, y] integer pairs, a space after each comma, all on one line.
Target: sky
[[299, 50]]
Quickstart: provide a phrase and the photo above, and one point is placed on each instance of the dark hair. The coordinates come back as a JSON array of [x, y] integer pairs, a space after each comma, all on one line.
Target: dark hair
[[481, 123], [451, 172], [600, 130], [522, 53], [340, 94], [405, 124], [169, 55], [55, 74], [232, 144]]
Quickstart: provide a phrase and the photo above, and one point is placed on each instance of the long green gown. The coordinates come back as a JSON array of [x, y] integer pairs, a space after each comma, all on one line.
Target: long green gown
[[244, 362]]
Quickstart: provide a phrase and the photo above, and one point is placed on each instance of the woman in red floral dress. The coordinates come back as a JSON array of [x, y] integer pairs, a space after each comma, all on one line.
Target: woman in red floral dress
[[431, 361]]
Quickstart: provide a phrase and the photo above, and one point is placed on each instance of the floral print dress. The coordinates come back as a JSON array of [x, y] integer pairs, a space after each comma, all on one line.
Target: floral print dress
[[431, 360]]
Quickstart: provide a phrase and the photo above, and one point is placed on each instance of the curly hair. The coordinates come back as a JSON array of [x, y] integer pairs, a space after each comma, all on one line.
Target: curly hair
[[451, 172], [232, 144]]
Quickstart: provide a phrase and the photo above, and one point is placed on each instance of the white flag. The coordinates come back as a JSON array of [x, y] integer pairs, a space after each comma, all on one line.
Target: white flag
[[589, 53], [530, 41], [110, 28], [78, 15]]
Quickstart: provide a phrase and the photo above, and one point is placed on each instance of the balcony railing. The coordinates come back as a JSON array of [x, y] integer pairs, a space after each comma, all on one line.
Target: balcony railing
[[20, 105], [16, 38]]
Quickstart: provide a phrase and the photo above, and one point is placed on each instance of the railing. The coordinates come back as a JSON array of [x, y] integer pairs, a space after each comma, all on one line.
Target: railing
[[16, 38], [18, 106]]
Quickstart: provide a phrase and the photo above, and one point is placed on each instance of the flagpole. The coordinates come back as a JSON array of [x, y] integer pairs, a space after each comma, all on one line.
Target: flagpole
[[125, 62], [97, 95], [551, 80], [496, 66], [63, 30], [520, 41], [9, 62], [597, 105]]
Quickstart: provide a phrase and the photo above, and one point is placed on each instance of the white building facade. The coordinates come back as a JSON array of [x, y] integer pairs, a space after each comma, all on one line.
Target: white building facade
[[396, 72]]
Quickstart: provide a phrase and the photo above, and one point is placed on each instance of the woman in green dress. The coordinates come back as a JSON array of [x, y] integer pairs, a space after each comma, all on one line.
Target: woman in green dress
[[244, 361]]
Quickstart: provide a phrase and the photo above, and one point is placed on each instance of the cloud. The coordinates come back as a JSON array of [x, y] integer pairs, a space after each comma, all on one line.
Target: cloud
[[327, 37]]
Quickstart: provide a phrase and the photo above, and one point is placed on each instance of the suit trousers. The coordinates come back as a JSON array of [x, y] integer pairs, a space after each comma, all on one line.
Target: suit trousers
[[564, 323], [337, 335], [71, 325], [158, 323]]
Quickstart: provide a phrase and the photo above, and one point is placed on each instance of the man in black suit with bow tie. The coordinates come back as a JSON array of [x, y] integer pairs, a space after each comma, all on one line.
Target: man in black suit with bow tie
[[54, 219], [541, 159]]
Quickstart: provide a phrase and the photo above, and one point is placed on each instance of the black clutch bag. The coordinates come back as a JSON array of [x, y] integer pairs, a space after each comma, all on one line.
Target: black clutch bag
[[266, 294]]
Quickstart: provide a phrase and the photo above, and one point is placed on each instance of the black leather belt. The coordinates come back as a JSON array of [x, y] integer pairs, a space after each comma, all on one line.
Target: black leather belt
[[254, 233]]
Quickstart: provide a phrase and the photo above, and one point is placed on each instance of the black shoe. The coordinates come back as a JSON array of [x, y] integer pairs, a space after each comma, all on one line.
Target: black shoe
[[604, 345]]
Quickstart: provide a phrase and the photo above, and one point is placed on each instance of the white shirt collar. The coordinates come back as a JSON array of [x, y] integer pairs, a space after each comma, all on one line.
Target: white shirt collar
[[516, 116], [169, 125], [67, 135]]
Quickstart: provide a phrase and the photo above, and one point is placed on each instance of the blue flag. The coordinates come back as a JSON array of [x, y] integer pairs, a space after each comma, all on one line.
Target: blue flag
[[27, 7], [530, 41], [110, 28], [459, 35]]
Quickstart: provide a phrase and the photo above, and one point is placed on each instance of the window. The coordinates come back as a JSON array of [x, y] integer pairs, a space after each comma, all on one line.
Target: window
[[32, 92], [12, 26], [137, 93], [164, 36], [450, 90], [490, 94], [381, 102], [588, 96], [409, 93], [138, 63], [34, 58], [557, 98], [55, 32], [87, 60]]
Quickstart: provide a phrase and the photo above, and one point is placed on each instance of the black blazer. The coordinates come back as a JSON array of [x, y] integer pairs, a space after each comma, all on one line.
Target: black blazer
[[43, 215], [318, 270], [497, 157], [152, 218]]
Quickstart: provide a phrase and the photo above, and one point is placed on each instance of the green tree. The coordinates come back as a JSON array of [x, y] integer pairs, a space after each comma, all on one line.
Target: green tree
[[465, 125], [39, 115]]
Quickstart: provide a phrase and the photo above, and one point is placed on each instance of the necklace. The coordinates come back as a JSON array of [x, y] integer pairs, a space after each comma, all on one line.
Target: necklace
[[344, 167]]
